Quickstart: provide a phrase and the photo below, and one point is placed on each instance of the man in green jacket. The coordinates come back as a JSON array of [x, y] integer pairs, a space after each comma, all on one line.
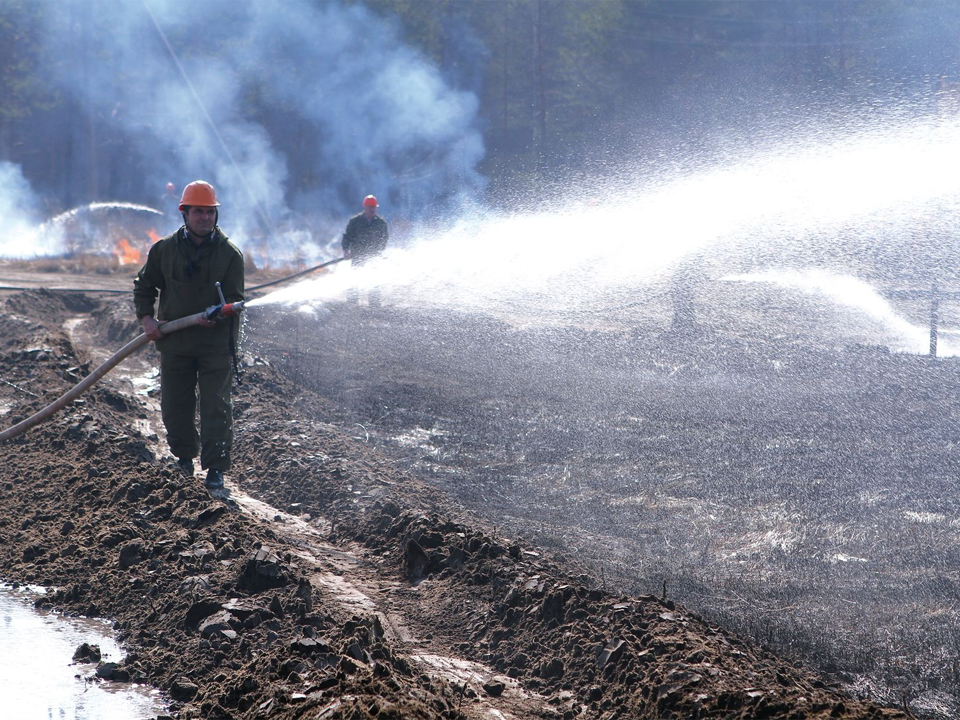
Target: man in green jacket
[[364, 238], [183, 269]]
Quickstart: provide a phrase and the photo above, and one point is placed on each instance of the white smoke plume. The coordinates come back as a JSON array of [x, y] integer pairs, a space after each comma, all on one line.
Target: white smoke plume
[[18, 208], [177, 88]]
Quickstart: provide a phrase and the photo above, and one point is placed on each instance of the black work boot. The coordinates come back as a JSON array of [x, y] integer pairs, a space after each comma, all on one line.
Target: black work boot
[[214, 479], [185, 465]]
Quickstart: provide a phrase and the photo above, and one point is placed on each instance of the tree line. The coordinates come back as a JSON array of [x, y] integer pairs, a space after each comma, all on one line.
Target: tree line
[[566, 83], [565, 87]]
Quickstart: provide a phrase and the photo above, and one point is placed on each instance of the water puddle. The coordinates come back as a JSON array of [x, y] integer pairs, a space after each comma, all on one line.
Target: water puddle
[[146, 383], [340, 587], [40, 679], [418, 438], [466, 673]]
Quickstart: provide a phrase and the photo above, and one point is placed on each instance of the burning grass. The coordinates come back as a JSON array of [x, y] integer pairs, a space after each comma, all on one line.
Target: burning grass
[[71, 264]]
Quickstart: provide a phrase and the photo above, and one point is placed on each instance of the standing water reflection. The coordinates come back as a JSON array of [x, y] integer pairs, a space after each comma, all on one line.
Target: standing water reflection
[[41, 681]]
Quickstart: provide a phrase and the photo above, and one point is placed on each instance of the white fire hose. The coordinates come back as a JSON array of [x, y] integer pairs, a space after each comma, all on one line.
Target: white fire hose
[[216, 311]]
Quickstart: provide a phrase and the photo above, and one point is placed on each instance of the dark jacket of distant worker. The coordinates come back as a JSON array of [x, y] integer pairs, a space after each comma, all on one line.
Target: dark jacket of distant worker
[[366, 233], [183, 269]]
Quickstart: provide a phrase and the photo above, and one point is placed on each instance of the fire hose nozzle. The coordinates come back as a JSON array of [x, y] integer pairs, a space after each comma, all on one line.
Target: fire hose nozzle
[[225, 310], [231, 309]]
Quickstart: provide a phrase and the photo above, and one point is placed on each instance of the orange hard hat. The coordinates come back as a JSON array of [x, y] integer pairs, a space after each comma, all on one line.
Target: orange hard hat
[[370, 201], [199, 193]]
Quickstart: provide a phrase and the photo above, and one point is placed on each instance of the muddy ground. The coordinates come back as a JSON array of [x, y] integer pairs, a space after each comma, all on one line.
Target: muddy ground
[[773, 469], [418, 527]]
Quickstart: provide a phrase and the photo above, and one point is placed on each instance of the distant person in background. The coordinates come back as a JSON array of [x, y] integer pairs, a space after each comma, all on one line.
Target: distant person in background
[[364, 238], [183, 269], [169, 199]]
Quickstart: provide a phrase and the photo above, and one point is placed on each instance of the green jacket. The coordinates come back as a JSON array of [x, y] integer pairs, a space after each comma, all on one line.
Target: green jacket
[[365, 238], [184, 275]]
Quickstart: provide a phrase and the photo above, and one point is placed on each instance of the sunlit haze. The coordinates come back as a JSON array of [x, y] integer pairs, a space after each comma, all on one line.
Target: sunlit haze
[[800, 204]]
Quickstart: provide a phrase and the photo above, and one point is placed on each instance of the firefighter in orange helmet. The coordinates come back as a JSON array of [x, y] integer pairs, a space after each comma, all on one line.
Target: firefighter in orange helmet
[[183, 269], [365, 237], [168, 200]]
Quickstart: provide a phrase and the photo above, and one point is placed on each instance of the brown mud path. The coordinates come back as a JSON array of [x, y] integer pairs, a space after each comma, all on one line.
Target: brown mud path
[[326, 583]]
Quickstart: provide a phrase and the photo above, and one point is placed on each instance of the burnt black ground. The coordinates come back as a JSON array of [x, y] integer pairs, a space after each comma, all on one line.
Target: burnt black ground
[[235, 614], [770, 469]]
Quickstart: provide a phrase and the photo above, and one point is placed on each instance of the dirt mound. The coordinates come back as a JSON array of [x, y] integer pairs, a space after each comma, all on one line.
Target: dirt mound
[[341, 587]]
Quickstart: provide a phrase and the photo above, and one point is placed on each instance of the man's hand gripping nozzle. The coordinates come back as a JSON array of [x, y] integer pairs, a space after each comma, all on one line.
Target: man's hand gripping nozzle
[[224, 309]]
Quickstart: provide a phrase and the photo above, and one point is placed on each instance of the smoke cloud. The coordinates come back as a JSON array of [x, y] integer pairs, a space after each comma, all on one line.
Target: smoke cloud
[[18, 208], [249, 95]]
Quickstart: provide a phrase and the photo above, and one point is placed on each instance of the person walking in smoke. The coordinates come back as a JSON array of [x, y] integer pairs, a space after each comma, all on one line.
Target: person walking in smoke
[[183, 268], [365, 238]]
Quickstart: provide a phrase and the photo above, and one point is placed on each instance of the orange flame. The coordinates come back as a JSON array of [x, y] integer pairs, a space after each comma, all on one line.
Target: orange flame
[[125, 253], [154, 236]]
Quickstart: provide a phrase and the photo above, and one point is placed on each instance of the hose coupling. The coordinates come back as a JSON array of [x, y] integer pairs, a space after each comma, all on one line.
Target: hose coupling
[[224, 310]]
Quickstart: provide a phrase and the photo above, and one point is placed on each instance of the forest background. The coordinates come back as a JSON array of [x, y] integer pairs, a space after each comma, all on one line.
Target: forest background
[[566, 90]]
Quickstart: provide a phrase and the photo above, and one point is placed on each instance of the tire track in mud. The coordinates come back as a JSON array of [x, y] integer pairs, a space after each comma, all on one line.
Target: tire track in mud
[[337, 573]]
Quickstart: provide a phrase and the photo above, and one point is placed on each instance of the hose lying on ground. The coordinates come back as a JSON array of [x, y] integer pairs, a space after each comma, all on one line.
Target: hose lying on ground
[[112, 291], [328, 263], [130, 348], [118, 357]]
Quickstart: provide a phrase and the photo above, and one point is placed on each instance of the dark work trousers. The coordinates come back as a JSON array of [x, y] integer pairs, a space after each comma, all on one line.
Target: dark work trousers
[[180, 377], [353, 294]]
